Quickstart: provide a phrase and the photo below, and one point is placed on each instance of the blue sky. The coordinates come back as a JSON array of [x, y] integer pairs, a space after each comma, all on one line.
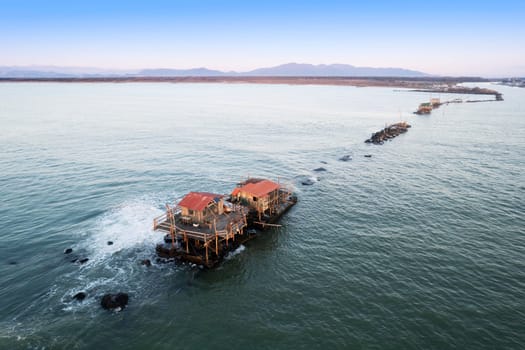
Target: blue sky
[[440, 37]]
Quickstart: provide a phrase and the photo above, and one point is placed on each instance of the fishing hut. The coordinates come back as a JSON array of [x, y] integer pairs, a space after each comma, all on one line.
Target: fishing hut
[[265, 199], [424, 108], [201, 228], [435, 102]]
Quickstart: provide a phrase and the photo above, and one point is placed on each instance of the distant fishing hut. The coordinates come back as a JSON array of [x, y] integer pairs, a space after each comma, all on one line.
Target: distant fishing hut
[[424, 108], [200, 228]]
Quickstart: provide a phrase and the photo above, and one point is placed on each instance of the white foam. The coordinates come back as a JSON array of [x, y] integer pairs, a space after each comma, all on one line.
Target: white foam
[[235, 252], [130, 227], [127, 226]]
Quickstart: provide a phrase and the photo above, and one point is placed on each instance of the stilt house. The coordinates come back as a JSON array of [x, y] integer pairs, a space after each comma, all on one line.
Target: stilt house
[[260, 195], [201, 207]]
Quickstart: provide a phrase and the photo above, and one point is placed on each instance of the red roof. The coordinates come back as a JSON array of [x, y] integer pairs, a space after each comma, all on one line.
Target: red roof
[[258, 189], [198, 200]]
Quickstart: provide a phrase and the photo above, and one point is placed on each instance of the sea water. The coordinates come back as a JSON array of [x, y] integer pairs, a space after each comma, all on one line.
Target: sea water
[[420, 246]]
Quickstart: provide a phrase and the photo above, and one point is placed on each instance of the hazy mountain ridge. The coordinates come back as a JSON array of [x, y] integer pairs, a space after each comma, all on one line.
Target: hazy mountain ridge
[[330, 70], [287, 70]]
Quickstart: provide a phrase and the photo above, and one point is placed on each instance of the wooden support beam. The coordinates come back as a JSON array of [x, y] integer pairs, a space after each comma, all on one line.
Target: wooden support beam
[[265, 224]]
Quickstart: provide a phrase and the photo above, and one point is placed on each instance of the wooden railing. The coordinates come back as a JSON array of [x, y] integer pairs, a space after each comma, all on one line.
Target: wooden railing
[[158, 220]]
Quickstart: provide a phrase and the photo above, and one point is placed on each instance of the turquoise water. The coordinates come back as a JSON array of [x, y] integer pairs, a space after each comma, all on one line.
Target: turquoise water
[[421, 246]]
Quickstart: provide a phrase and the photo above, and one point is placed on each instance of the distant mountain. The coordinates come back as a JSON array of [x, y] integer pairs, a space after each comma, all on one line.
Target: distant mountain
[[59, 72], [290, 69], [286, 70], [331, 70], [167, 72], [22, 73]]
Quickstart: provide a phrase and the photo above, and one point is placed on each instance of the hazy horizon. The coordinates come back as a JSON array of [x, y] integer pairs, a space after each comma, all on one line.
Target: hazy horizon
[[445, 38]]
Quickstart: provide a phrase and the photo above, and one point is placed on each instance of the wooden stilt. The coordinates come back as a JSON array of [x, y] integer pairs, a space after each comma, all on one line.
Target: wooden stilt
[[206, 245]]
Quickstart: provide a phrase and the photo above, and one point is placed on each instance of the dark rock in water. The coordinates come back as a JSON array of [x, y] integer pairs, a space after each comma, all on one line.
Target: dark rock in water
[[83, 261], [346, 158], [114, 301], [146, 262], [368, 155], [13, 263], [74, 260], [320, 169], [68, 251], [80, 296], [324, 162], [110, 243], [308, 182]]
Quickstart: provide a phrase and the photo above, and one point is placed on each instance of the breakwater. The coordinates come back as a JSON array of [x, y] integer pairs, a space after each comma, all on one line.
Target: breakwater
[[388, 133], [464, 90]]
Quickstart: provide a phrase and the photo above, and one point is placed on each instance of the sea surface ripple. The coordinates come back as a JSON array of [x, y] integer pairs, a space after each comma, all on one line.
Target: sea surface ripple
[[421, 246]]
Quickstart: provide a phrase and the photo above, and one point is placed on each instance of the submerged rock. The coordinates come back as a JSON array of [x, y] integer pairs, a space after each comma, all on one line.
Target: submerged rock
[[346, 158], [13, 263], [68, 251], [320, 169], [79, 296], [83, 261], [114, 301], [324, 162], [307, 182]]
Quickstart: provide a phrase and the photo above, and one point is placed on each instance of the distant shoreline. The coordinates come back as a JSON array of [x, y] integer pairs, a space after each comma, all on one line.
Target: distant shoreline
[[399, 82]]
